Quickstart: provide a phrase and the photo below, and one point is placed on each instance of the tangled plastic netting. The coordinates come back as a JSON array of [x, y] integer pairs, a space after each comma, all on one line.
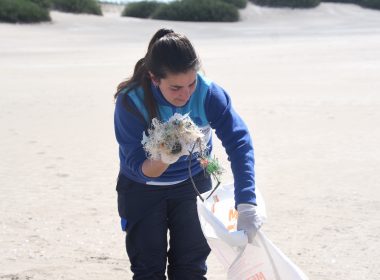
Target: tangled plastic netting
[[178, 136]]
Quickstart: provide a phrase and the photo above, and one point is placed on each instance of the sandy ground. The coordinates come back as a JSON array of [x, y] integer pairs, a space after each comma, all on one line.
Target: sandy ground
[[307, 82]]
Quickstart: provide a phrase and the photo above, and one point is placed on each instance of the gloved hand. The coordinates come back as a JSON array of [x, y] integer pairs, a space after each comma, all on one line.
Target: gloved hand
[[248, 220], [170, 157]]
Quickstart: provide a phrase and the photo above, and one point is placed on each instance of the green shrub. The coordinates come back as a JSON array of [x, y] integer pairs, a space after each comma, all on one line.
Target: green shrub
[[197, 10], [374, 4], [22, 11], [78, 6], [288, 3], [341, 1], [141, 9], [42, 3], [240, 4]]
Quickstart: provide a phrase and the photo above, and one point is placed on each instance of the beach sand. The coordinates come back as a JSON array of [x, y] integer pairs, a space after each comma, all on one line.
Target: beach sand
[[306, 82]]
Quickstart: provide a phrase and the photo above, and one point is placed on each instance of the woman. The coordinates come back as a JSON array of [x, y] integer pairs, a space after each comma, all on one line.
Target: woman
[[156, 196]]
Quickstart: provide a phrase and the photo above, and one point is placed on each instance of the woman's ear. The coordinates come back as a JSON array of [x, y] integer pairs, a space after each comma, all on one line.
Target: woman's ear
[[154, 79]]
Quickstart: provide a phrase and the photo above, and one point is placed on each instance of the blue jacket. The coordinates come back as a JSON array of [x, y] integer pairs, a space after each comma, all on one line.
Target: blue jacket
[[210, 108]]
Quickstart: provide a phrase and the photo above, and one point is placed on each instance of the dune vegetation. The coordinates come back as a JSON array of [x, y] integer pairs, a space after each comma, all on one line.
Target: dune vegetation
[[32, 11]]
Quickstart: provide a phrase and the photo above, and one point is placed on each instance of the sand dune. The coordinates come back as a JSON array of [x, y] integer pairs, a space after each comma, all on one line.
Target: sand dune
[[306, 82]]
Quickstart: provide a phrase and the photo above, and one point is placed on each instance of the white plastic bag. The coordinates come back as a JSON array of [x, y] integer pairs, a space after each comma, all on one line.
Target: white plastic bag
[[242, 261]]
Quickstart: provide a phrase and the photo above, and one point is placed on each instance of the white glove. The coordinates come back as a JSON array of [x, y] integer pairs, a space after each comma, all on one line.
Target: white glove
[[170, 158], [248, 220]]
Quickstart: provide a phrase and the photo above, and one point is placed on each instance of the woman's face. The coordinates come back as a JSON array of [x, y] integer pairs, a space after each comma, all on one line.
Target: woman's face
[[177, 88]]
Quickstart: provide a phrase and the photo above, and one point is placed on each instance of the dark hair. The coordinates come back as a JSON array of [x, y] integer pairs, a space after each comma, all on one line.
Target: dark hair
[[168, 52]]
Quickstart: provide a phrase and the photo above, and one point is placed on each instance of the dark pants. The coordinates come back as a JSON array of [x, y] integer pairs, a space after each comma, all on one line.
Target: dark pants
[[152, 211]]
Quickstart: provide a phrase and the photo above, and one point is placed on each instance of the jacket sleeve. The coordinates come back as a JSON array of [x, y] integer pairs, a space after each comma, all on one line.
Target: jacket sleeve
[[129, 130], [236, 140]]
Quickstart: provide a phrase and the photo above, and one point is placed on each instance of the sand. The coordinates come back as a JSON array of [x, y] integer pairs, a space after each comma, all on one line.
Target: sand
[[306, 82]]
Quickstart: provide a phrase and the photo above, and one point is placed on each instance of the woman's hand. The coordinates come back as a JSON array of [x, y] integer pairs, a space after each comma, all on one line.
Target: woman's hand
[[170, 158], [248, 220], [154, 168]]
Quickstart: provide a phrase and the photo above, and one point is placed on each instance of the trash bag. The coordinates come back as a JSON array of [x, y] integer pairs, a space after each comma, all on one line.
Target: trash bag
[[242, 261]]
